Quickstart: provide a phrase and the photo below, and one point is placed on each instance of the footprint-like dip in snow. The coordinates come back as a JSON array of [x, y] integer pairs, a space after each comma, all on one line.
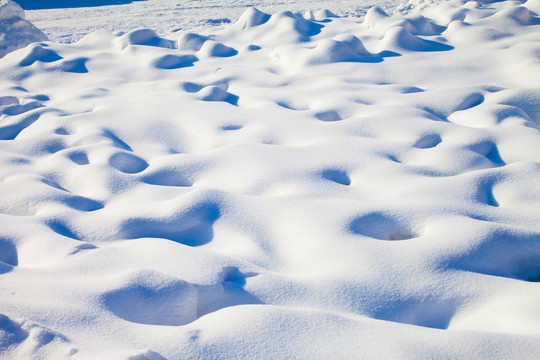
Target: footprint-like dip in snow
[[211, 92], [231, 127], [8, 253], [128, 163], [166, 178], [489, 150], [330, 115], [77, 65], [61, 228], [79, 158], [338, 176], [170, 61], [381, 226], [191, 227], [38, 53], [149, 297], [428, 141]]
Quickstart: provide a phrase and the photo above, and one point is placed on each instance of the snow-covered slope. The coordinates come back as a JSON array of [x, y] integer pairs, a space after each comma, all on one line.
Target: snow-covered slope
[[286, 187]]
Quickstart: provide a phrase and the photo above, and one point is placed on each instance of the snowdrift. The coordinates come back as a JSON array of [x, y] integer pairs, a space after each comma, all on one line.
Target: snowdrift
[[290, 186]]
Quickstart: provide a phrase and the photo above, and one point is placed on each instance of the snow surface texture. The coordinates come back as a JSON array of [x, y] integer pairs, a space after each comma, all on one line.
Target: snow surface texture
[[15, 32], [290, 186]]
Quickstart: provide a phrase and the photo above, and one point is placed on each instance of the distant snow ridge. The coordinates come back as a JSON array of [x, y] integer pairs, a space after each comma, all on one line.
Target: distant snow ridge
[[15, 31]]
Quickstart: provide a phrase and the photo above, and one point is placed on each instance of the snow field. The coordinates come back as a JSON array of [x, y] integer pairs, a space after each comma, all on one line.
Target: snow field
[[285, 187]]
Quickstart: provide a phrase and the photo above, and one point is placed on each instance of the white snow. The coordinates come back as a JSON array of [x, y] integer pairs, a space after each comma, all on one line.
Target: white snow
[[292, 185]]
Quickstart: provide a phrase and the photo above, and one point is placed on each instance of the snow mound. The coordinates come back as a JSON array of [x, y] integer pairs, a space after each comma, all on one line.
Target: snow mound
[[320, 15], [345, 48], [10, 10], [286, 26], [212, 48], [204, 46], [375, 17], [251, 18], [190, 41], [15, 32], [398, 38], [143, 37]]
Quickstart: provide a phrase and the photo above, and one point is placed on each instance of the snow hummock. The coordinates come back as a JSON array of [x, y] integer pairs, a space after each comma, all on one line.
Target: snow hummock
[[67, 21], [15, 31], [286, 186], [10, 10]]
